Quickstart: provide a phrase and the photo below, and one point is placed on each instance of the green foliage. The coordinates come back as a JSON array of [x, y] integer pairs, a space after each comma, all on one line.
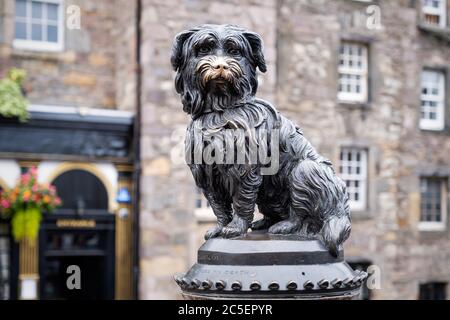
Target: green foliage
[[25, 223], [12, 102]]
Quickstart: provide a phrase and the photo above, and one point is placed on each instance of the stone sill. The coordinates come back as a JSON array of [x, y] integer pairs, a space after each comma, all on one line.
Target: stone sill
[[366, 2], [431, 231], [432, 234], [38, 55], [445, 131], [442, 33], [354, 105], [204, 216], [360, 215], [433, 227]]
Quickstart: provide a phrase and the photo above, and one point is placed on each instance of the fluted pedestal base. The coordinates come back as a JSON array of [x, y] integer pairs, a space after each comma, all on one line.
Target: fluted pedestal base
[[263, 266]]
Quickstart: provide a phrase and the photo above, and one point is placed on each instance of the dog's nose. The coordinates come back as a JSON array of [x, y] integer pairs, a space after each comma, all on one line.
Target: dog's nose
[[221, 66]]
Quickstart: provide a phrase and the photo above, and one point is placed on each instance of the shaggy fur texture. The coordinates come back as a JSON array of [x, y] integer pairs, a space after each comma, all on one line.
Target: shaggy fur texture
[[217, 81]]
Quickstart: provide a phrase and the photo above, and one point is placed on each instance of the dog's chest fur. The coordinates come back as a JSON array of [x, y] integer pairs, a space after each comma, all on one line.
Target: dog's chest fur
[[251, 115], [243, 127]]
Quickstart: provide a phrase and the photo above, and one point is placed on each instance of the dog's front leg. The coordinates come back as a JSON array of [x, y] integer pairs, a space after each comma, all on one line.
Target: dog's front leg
[[222, 210], [244, 201]]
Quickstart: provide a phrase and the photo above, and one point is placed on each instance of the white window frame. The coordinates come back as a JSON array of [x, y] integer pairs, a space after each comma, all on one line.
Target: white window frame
[[441, 12], [438, 123], [44, 46], [436, 225], [363, 72], [361, 177], [204, 212]]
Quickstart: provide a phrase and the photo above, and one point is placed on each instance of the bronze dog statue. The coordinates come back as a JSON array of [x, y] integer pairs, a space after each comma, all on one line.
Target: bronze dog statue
[[217, 81]]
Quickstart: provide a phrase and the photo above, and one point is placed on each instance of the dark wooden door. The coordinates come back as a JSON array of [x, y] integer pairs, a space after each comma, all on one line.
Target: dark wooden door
[[80, 233]]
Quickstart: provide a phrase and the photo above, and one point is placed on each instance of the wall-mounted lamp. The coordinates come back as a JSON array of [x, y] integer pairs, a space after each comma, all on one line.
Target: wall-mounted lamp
[[123, 196]]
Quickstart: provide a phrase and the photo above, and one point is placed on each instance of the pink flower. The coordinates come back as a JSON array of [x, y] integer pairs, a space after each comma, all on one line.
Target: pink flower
[[35, 188], [5, 204], [33, 171], [26, 178]]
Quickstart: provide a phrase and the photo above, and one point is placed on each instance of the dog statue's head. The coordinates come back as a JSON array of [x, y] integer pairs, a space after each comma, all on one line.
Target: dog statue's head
[[216, 67]]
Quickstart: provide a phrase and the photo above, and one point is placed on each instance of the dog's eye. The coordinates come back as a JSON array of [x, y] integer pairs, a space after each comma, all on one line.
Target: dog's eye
[[204, 49], [234, 51]]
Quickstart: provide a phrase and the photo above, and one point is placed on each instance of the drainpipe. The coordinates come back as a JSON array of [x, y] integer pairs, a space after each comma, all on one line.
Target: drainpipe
[[137, 153]]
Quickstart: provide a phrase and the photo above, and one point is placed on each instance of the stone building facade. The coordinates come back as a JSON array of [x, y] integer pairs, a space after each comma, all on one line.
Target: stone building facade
[[302, 46]]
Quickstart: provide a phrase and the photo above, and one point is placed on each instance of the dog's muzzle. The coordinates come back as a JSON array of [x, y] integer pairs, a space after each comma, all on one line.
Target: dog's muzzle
[[217, 68]]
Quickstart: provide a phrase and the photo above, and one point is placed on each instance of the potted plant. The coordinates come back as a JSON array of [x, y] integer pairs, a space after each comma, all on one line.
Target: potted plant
[[25, 203], [13, 103]]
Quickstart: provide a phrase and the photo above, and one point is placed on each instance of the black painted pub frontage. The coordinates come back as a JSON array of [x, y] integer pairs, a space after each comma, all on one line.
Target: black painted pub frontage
[[89, 159]]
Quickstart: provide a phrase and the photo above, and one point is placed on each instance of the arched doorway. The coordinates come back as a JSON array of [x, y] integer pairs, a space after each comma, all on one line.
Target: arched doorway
[[80, 233], [81, 192]]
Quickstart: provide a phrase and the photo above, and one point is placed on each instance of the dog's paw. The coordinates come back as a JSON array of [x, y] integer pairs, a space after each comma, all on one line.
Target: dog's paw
[[213, 233], [262, 224], [237, 227], [231, 232], [284, 227]]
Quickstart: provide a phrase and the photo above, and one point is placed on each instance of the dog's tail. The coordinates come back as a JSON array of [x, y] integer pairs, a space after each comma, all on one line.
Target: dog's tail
[[335, 230], [320, 195]]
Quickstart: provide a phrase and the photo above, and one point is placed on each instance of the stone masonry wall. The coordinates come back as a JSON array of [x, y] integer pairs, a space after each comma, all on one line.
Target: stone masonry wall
[[125, 54]]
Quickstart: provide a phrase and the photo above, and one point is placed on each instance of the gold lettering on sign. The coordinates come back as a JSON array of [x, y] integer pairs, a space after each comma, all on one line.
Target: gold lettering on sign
[[68, 223]]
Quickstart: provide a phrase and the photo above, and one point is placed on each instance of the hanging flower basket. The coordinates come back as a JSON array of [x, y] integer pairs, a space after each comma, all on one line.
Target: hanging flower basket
[[25, 203]]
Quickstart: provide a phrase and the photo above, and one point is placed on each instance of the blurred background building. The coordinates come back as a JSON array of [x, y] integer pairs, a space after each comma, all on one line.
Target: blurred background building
[[81, 89], [367, 81]]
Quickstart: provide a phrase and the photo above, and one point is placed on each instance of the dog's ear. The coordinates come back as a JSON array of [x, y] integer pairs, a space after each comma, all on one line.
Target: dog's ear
[[256, 44], [176, 58]]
